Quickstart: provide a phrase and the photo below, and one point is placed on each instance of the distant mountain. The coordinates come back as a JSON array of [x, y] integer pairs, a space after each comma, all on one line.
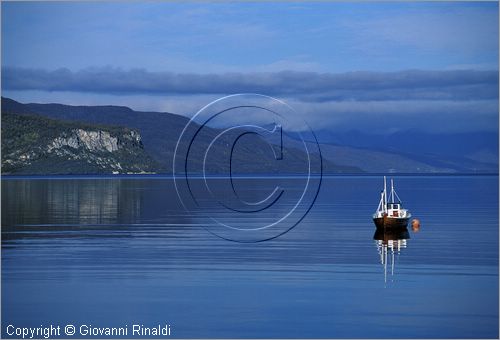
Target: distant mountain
[[36, 145], [467, 152], [379, 162]]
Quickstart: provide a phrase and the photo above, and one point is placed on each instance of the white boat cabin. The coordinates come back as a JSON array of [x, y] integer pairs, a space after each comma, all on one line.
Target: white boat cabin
[[393, 208]]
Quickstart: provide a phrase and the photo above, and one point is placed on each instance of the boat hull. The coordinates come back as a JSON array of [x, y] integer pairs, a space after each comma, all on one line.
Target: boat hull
[[391, 222]]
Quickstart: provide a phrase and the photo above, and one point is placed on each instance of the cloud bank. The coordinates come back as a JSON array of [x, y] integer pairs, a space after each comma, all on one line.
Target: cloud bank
[[309, 86], [439, 101]]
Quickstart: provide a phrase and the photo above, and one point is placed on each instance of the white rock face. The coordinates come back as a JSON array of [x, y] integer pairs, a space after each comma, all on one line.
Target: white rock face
[[91, 140], [98, 140]]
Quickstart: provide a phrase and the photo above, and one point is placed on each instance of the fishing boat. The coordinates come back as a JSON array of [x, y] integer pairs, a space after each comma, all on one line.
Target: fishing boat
[[390, 214]]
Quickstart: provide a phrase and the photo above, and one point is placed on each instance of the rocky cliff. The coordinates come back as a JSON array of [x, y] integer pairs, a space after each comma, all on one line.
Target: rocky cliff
[[37, 145]]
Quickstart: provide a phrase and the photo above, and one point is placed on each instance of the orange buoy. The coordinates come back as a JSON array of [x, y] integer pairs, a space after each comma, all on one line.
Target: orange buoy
[[415, 225]]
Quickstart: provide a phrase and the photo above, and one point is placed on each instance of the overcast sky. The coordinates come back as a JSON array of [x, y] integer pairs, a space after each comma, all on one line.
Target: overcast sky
[[340, 64]]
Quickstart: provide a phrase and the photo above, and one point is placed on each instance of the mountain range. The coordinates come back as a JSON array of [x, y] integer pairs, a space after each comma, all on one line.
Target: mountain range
[[83, 135], [352, 151]]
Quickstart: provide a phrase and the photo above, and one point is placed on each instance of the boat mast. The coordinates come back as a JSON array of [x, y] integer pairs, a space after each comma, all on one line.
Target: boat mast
[[385, 195], [392, 191]]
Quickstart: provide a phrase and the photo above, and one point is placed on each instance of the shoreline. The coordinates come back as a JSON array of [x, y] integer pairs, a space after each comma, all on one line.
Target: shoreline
[[195, 176]]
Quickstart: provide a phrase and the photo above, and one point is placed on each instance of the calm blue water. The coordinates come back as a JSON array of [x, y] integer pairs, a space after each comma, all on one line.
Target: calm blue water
[[111, 252]]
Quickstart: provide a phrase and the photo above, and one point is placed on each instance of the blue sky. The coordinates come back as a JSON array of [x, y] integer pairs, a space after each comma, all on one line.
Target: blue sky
[[245, 41], [201, 37]]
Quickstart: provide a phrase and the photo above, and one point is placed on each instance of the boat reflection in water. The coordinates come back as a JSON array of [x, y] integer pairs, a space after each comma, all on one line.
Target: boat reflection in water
[[389, 242]]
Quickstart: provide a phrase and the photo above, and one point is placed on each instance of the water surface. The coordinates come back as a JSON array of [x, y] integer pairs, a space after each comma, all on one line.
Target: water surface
[[115, 251]]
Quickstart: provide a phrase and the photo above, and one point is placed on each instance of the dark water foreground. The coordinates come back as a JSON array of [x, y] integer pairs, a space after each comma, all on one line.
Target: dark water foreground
[[114, 252]]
